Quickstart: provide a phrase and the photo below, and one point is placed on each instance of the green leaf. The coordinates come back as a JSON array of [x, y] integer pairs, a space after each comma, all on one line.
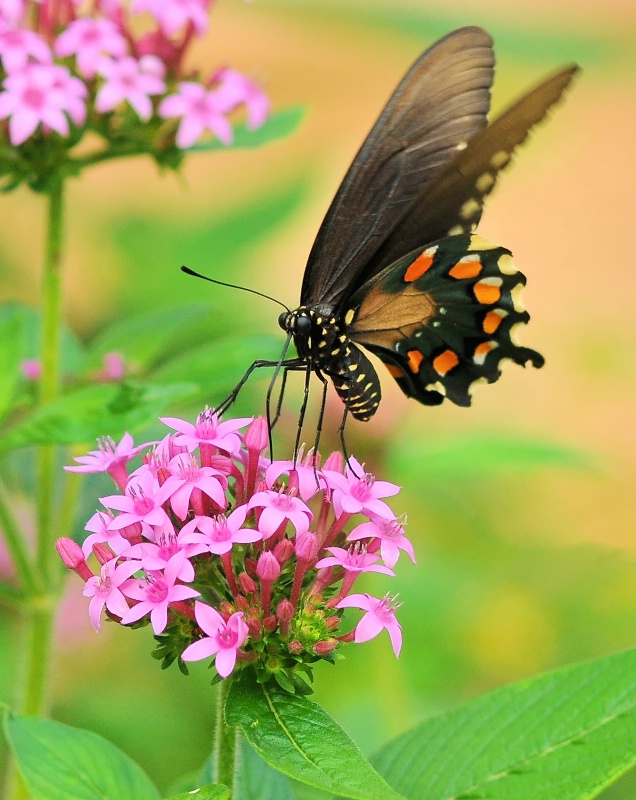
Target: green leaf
[[478, 454], [278, 126], [217, 792], [84, 415], [567, 734], [142, 339], [11, 333], [58, 762], [297, 737], [218, 366]]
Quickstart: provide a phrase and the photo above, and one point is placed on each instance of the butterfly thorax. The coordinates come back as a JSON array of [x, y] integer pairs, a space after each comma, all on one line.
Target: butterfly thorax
[[320, 339]]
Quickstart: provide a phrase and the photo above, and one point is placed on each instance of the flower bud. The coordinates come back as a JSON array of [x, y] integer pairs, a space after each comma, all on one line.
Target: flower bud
[[285, 611], [268, 568], [270, 623], [242, 603], [306, 546], [103, 553], [283, 551], [324, 648], [256, 436], [331, 623], [247, 584], [73, 557], [295, 647], [334, 462]]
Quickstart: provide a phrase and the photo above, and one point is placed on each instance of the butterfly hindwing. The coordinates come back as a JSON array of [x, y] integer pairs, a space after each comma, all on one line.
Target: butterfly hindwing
[[444, 317]]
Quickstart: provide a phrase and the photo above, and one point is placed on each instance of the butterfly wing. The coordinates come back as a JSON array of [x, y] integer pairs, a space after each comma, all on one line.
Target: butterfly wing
[[453, 202], [443, 318], [442, 102]]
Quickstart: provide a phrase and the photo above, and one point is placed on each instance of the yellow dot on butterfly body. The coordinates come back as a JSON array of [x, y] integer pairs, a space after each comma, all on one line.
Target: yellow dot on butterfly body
[[349, 316]]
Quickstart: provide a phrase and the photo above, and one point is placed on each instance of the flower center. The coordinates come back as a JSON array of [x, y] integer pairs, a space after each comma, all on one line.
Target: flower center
[[33, 97], [157, 591], [362, 489]]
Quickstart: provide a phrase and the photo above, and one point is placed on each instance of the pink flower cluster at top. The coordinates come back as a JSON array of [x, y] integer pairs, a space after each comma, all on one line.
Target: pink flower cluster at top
[[229, 554], [64, 62]]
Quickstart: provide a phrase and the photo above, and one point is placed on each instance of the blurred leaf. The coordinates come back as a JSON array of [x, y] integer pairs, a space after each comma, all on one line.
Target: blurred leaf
[[72, 347], [278, 126], [217, 792], [58, 762], [477, 455], [215, 246], [84, 415], [11, 333], [567, 734], [297, 737], [143, 339], [217, 367]]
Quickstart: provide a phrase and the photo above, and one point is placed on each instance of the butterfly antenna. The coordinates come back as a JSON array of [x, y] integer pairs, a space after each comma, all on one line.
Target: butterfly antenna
[[189, 271]]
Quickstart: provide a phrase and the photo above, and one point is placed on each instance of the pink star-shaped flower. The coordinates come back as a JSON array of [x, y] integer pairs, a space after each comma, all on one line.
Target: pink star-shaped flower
[[187, 476], [277, 508], [41, 94], [223, 638], [380, 614], [208, 431], [236, 89], [110, 458], [142, 503], [200, 110], [103, 589], [155, 557], [88, 39], [156, 593], [358, 492], [17, 46], [391, 536], [354, 559], [101, 534], [131, 80], [218, 534]]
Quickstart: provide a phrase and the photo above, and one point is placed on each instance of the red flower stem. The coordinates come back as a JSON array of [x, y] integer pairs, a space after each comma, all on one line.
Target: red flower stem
[[226, 560], [183, 608], [335, 529]]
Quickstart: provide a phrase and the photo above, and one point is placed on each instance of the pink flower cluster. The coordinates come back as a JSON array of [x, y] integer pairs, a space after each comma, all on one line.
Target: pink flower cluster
[[65, 62], [229, 554]]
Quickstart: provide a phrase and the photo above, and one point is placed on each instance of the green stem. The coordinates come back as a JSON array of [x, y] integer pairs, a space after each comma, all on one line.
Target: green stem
[[50, 381], [16, 545], [225, 742]]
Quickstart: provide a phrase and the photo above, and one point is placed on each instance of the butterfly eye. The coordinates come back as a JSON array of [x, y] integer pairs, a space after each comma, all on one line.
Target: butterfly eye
[[282, 320], [302, 326]]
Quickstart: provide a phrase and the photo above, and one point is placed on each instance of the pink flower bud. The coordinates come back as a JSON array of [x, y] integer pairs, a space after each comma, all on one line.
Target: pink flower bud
[[331, 623], [285, 611], [293, 485], [222, 464], [256, 436], [295, 647], [306, 546], [31, 369], [255, 630], [250, 566], [103, 553], [247, 584], [283, 551], [268, 568], [334, 462], [270, 623], [73, 558], [114, 367], [132, 533], [242, 603], [324, 648]]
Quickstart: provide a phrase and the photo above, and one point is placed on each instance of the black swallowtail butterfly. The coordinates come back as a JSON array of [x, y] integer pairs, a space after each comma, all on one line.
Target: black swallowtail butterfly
[[396, 266]]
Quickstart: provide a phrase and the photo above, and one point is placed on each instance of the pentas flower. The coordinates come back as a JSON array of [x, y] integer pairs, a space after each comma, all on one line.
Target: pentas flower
[[109, 69], [109, 457], [271, 571]]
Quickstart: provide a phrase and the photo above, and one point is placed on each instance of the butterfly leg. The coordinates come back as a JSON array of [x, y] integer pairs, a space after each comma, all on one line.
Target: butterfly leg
[[303, 408]]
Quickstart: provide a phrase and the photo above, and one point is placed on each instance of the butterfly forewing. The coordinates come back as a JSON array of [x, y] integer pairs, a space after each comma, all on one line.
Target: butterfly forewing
[[443, 318], [453, 203], [441, 103]]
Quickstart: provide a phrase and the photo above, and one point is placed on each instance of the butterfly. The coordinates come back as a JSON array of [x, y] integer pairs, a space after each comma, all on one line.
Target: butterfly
[[396, 267]]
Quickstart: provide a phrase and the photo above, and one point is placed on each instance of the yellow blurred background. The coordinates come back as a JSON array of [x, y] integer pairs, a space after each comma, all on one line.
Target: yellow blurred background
[[522, 509]]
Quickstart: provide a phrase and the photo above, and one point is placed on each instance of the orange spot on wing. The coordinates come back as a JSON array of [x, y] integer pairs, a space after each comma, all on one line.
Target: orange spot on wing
[[487, 293], [466, 269], [492, 321], [421, 264], [415, 359], [483, 349], [396, 372], [445, 361]]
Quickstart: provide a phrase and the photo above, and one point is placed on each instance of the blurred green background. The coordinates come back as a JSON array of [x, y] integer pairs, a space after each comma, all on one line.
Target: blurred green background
[[521, 508]]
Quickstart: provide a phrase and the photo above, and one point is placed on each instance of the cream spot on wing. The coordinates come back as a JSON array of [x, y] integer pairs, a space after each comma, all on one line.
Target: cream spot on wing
[[469, 209], [499, 159], [484, 182], [506, 264], [515, 294]]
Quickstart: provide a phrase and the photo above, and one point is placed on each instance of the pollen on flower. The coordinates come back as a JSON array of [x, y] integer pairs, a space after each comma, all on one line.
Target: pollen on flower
[[242, 569]]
